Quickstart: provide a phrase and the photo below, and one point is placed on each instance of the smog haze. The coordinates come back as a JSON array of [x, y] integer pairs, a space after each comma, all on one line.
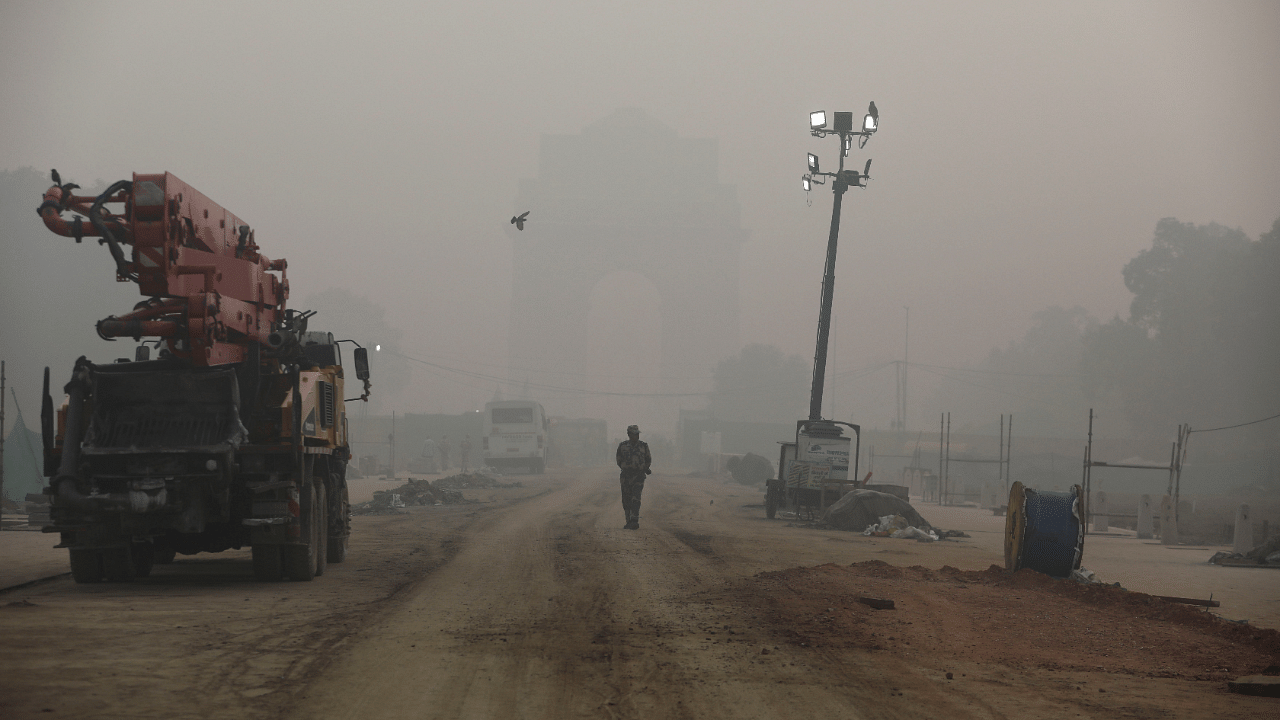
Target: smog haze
[[1026, 153]]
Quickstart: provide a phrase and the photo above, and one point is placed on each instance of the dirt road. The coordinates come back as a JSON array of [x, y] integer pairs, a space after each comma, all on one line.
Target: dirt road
[[536, 604]]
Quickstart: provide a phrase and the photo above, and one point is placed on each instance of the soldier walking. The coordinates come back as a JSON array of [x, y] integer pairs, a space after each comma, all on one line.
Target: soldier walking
[[634, 460]]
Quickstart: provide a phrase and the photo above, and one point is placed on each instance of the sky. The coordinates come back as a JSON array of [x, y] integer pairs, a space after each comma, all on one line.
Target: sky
[[1025, 152]]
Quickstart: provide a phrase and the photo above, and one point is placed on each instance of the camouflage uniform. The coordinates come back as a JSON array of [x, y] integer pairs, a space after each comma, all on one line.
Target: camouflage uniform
[[634, 460]]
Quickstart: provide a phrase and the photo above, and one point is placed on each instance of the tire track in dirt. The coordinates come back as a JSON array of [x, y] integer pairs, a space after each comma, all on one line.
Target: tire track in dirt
[[202, 638], [558, 613]]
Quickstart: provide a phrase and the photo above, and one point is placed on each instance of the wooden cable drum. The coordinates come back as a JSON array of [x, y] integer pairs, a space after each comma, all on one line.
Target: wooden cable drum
[[1043, 531]]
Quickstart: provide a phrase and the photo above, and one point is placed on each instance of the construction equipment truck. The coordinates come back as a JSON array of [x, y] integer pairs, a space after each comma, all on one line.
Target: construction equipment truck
[[234, 435]]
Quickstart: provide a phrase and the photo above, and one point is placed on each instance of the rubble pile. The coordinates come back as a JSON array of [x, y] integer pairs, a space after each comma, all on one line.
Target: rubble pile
[[420, 491], [1266, 554], [414, 492]]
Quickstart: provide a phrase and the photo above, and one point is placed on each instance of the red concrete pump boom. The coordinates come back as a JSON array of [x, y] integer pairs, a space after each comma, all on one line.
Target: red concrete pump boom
[[211, 295]]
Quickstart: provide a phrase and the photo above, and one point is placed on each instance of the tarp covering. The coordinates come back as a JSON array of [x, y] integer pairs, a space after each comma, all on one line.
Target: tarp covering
[[860, 508]]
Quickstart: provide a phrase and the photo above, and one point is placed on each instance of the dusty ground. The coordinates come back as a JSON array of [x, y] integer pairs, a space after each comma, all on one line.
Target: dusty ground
[[535, 604]]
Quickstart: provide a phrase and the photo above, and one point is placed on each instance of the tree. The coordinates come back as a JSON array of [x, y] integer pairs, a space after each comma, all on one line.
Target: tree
[[1036, 377], [761, 384], [1201, 343]]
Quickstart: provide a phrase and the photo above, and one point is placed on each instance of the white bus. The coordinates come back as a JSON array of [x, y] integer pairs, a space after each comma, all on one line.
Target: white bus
[[515, 435]]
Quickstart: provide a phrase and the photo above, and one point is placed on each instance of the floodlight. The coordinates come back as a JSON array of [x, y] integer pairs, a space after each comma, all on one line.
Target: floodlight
[[872, 120], [808, 184], [813, 163], [817, 119], [377, 348], [848, 142]]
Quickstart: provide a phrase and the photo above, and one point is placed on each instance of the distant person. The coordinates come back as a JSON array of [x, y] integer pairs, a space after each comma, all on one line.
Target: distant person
[[430, 452], [444, 452], [634, 460], [464, 452]]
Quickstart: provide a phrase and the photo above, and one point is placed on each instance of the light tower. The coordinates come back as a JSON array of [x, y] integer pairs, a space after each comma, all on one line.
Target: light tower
[[841, 180]]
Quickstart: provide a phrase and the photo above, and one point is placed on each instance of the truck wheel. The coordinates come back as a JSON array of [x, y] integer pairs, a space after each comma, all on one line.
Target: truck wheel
[[267, 565], [165, 555], [86, 565], [322, 528], [300, 560], [117, 564], [339, 527], [144, 557], [770, 503]]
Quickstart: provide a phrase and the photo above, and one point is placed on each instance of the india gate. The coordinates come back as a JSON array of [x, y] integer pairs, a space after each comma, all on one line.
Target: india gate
[[627, 194]]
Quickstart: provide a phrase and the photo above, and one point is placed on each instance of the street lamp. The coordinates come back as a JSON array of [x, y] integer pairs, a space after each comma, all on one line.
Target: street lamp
[[841, 180]]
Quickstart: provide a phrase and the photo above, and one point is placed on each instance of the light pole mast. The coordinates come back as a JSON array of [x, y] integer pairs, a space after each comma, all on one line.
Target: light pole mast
[[841, 180]]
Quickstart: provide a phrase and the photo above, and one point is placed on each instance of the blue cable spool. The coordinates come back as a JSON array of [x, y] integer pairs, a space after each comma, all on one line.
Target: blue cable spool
[[1043, 531]]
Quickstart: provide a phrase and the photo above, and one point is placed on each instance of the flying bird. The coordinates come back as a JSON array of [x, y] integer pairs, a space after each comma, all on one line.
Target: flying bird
[[518, 220]]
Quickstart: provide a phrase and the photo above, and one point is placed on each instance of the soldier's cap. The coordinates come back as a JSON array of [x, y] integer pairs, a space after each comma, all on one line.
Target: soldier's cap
[[633, 429]]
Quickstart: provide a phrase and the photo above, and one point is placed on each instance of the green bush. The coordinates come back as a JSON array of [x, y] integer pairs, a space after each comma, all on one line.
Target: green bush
[[750, 469]]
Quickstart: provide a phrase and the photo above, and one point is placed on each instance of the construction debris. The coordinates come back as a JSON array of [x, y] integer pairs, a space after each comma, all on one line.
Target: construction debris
[[1191, 601], [896, 526], [859, 509], [1260, 685], [420, 491], [1266, 555]]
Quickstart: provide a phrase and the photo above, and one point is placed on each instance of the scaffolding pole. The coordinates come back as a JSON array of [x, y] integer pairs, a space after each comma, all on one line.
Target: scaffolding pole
[[1177, 453], [1002, 461]]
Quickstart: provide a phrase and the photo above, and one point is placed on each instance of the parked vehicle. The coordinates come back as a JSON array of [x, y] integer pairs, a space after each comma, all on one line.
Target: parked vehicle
[[815, 470], [515, 435], [234, 436]]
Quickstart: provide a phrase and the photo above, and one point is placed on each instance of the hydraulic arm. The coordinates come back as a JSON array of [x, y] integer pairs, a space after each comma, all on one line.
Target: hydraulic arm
[[211, 294]]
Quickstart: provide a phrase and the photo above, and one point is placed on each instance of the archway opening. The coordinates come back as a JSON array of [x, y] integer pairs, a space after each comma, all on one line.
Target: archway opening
[[624, 352]]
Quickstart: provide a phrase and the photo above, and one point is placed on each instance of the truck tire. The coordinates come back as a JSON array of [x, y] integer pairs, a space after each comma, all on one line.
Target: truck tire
[[339, 526], [165, 555], [144, 557], [86, 565], [322, 528], [770, 503], [117, 564], [267, 565], [300, 560]]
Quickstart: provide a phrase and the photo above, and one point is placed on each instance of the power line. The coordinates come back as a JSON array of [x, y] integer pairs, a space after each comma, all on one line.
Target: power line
[[542, 386], [928, 369], [428, 366], [1232, 427], [992, 372], [513, 369], [26, 434]]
